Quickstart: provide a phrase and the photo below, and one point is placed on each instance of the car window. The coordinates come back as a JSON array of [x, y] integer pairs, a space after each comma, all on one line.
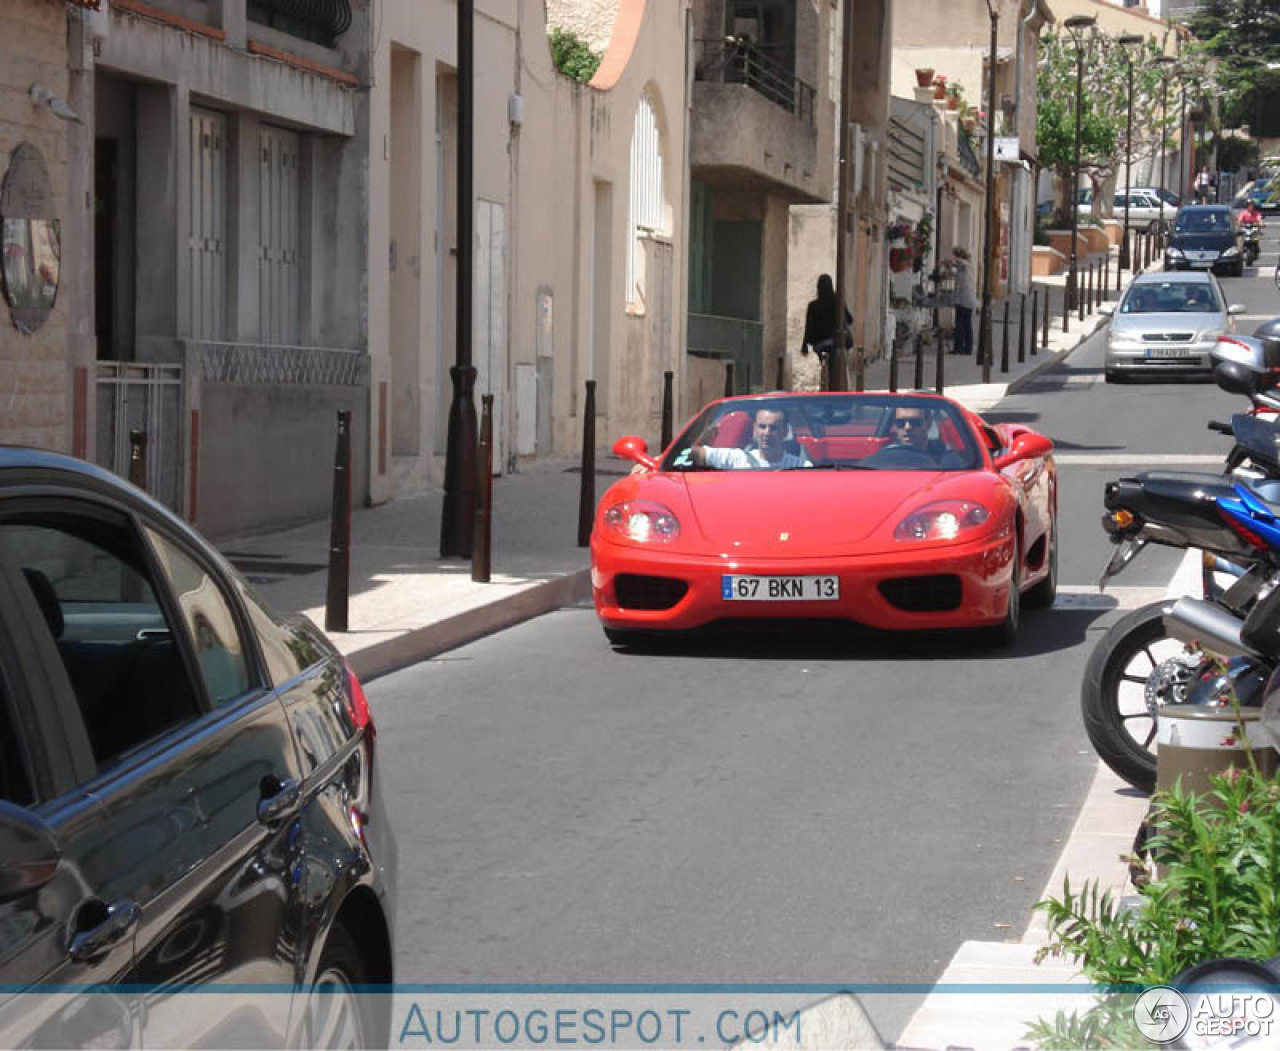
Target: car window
[[15, 778], [121, 654], [1203, 222], [220, 651], [1172, 297]]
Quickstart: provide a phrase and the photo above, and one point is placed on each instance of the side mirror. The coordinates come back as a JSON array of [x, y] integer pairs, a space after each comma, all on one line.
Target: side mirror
[[1106, 309], [1027, 446], [1237, 308], [635, 449], [30, 854]]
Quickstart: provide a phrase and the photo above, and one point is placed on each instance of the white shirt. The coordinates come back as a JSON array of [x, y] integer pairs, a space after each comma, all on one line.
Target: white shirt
[[753, 459]]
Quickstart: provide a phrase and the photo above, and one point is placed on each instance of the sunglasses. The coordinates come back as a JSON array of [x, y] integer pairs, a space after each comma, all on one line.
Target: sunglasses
[[910, 421]]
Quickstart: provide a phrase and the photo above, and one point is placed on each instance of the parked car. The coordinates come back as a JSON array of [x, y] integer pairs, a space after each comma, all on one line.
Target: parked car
[[1265, 193], [1146, 207], [1167, 322], [188, 795], [937, 521], [1205, 236]]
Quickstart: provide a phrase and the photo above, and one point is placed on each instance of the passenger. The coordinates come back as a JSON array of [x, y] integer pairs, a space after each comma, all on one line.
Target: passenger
[[767, 449]]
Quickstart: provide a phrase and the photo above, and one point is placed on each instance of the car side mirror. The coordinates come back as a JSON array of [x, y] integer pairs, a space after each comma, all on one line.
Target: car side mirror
[[1236, 308], [1027, 446], [635, 449], [31, 855], [1106, 309]]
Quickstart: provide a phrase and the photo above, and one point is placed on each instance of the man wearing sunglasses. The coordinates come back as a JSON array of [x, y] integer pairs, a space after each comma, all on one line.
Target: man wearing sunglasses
[[909, 428]]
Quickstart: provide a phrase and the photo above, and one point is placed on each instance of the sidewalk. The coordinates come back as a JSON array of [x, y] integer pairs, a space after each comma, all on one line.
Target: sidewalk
[[408, 604]]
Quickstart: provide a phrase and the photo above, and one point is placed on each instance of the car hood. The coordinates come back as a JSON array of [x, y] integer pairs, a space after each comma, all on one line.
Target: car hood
[[1199, 242], [1184, 321], [805, 512]]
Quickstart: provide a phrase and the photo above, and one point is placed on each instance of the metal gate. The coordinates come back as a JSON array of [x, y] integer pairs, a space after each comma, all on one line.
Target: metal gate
[[133, 396], [207, 225], [279, 243]]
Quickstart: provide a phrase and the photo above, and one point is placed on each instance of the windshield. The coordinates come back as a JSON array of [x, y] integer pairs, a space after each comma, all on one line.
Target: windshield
[[872, 432], [1172, 297], [1203, 222]]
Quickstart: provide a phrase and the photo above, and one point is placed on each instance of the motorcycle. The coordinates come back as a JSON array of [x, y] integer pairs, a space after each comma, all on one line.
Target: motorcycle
[[1252, 242], [1235, 521]]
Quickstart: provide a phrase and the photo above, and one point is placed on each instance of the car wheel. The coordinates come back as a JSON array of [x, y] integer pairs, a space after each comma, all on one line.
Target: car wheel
[[1043, 593], [1238, 271], [1005, 634], [334, 1015], [1114, 376]]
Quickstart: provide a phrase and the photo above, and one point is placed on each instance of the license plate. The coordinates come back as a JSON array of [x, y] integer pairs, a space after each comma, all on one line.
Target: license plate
[[737, 588], [1168, 352]]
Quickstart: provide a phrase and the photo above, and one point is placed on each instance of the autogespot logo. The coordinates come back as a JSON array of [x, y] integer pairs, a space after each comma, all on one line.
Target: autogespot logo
[[1161, 1014]]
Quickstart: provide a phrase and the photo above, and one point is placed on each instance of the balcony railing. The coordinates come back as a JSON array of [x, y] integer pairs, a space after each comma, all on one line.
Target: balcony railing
[[730, 339], [321, 21], [731, 60]]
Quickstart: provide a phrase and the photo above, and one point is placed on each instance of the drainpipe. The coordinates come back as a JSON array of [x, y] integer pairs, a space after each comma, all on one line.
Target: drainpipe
[[1016, 207]]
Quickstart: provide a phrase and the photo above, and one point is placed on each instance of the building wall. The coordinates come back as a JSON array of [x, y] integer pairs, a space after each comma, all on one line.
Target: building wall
[[590, 20], [35, 383]]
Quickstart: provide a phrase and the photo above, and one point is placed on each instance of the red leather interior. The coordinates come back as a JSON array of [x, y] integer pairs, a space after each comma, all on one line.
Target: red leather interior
[[734, 430], [837, 448]]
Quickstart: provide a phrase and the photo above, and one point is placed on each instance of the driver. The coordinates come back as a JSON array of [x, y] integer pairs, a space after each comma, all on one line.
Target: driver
[[766, 450], [909, 428]]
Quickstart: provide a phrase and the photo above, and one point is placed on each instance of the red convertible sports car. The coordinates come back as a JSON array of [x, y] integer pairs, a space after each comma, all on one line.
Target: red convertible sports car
[[895, 511]]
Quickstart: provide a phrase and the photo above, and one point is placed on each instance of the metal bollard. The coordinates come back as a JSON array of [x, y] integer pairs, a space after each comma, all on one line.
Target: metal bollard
[[339, 583], [728, 379], [1090, 302], [1022, 329], [917, 379], [1044, 335], [138, 458], [1106, 274], [1079, 297], [481, 545], [587, 491], [1004, 341], [939, 362], [1066, 308], [893, 367], [668, 379], [860, 372], [781, 376]]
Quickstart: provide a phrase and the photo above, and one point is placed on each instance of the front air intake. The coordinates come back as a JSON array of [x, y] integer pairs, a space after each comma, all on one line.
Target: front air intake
[[644, 592]]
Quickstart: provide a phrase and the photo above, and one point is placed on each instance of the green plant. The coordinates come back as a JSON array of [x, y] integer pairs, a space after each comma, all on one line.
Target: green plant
[[571, 55], [1218, 895]]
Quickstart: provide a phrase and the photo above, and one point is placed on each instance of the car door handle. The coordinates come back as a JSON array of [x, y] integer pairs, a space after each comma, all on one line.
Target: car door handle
[[121, 918], [280, 799]]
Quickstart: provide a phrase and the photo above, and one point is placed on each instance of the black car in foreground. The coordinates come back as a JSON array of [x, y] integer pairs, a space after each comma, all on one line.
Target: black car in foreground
[[188, 797], [1205, 237]]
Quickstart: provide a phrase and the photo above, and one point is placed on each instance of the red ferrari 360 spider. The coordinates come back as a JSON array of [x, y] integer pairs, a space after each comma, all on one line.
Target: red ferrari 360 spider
[[895, 511]]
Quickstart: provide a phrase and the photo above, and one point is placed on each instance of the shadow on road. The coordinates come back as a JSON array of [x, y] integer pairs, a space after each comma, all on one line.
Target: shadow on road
[[1041, 632]]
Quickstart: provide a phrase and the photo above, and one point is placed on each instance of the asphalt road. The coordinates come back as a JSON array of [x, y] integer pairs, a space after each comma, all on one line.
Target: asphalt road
[[796, 808]]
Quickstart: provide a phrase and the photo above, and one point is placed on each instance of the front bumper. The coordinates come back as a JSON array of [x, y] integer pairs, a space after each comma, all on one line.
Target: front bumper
[[977, 575], [1216, 264], [1150, 357]]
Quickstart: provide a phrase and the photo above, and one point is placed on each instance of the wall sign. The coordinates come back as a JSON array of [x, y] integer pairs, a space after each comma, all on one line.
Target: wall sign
[[30, 239]]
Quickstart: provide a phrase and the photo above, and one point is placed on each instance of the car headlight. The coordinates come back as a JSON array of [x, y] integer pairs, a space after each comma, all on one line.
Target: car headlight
[[1123, 341], [944, 520], [1233, 250], [1174, 253], [642, 521]]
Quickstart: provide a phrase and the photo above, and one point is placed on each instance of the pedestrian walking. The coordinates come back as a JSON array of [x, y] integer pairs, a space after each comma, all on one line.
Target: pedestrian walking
[[966, 299], [820, 321]]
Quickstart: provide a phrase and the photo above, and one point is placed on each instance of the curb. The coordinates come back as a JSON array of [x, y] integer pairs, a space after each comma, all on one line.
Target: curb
[[382, 658], [1058, 356]]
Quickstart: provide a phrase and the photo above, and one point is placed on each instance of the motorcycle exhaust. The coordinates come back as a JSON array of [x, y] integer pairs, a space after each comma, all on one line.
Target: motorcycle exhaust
[[1212, 627]]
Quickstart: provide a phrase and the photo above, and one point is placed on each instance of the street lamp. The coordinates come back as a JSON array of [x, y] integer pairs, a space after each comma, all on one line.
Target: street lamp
[[1126, 41], [1076, 25], [1164, 61]]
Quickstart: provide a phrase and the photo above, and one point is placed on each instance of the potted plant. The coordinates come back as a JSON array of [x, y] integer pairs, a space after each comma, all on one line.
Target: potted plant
[[939, 87], [954, 97], [924, 77]]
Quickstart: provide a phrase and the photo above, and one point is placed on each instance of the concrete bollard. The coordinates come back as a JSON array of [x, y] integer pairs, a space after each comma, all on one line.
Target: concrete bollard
[[587, 489], [338, 585], [482, 543]]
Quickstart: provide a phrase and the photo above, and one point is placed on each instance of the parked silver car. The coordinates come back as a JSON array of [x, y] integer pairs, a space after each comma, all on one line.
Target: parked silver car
[[1167, 321]]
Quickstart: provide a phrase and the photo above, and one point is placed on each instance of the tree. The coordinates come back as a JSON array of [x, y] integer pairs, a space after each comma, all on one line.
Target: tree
[[1105, 108], [1243, 38]]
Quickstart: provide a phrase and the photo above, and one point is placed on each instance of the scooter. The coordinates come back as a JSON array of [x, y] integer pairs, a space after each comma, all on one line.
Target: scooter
[[1235, 521], [1252, 242]]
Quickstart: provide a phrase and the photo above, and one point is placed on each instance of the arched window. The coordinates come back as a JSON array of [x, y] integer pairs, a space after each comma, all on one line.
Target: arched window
[[645, 213]]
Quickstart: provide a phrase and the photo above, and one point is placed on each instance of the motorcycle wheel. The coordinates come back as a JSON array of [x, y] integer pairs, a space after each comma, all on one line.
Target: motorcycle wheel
[[1112, 696]]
